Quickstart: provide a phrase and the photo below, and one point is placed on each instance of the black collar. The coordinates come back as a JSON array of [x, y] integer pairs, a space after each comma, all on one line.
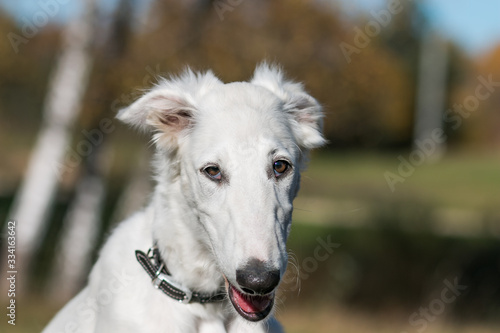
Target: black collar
[[161, 278]]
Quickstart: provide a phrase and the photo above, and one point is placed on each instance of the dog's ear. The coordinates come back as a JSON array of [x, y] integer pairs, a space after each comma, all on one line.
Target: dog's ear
[[305, 112], [169, 109]]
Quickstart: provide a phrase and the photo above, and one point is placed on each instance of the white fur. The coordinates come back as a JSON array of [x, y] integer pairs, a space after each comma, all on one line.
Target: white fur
[[204, 229]]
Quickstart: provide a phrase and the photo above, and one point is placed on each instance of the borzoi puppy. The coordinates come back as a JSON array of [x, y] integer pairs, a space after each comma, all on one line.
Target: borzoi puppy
[[208, 252]]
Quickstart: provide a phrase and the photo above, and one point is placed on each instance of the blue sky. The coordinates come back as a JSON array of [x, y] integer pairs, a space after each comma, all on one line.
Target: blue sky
[[473, 24], [62, 8]]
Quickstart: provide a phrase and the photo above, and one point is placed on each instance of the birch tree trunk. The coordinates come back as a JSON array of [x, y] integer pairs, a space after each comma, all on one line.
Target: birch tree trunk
[[62, 105], [82, 224], [431, 94]]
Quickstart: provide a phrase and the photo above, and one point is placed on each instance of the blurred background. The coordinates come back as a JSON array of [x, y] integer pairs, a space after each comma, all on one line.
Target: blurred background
[[397, 226]]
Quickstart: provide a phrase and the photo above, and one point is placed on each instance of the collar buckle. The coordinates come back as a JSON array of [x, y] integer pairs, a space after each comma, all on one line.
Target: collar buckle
[[153, 255]]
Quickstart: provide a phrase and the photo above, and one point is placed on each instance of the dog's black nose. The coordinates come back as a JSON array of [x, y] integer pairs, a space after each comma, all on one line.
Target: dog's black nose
[[257, 278]]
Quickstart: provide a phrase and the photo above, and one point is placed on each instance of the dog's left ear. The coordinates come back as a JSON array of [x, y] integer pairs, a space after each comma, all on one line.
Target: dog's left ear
[[169, 109], [305, 112]]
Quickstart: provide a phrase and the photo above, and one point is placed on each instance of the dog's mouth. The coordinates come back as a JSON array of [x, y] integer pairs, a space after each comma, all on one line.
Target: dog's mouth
[[250, 307]]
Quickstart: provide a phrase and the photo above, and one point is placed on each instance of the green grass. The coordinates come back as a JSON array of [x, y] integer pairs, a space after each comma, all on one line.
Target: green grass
[[470, 179], [341, 320], [349, 183], [33, 315]]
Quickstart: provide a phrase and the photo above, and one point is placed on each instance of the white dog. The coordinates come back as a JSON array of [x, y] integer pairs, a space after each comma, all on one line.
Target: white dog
[[227, 165]]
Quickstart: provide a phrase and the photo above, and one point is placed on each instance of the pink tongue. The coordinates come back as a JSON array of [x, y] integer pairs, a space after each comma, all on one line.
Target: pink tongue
[[251, 304]]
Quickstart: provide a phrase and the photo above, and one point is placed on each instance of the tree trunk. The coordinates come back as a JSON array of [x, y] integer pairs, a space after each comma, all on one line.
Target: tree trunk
[[431, 95], [83, 222], [67, 86]]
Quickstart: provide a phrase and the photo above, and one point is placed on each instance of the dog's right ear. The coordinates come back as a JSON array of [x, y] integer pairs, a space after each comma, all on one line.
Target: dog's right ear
[[169, 109]]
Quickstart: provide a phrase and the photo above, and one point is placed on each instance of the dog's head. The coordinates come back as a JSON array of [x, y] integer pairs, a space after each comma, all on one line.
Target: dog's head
[[240, 148]]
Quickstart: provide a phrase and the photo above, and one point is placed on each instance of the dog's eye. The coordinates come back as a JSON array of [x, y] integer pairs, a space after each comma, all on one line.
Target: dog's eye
[[213, 172], [280, 167]]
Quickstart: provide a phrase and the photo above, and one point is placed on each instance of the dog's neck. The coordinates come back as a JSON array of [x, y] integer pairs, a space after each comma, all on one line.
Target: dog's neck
[[182, 241]]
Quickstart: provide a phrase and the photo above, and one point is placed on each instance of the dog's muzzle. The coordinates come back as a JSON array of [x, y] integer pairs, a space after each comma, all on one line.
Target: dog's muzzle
[[253, 299]]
